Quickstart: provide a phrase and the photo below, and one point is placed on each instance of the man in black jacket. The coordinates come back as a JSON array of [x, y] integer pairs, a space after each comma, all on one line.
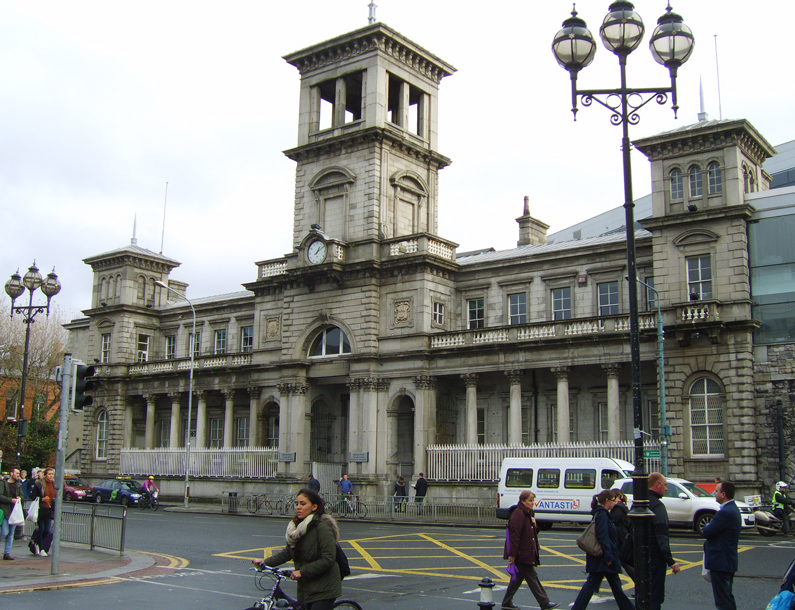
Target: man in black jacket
[[420, 489], [660, 557]]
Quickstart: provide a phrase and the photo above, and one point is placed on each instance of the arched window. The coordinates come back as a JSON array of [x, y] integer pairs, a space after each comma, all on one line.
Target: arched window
[[676, 184], [715, 178], [696, 189], [706, 418], [102, 435], [118, 286], [103, 287], [330, 341]]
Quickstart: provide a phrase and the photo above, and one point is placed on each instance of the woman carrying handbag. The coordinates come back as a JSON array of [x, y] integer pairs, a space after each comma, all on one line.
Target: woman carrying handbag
[[607, 565]]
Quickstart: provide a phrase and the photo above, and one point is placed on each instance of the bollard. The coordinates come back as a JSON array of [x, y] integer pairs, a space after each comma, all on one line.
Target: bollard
[[486, 585]]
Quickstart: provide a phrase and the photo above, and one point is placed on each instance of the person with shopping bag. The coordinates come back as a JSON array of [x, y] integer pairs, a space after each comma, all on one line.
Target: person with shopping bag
[[607, 565], [11, 506], [44, 491]]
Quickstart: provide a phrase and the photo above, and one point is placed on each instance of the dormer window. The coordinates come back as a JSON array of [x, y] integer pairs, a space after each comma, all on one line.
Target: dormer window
[[331, 341]]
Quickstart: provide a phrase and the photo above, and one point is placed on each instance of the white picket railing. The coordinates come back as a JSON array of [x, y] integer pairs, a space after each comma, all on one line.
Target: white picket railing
[[238, 462], [482, 462]]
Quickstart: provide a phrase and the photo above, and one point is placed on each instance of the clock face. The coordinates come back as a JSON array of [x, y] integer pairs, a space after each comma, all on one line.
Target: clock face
[[316, 253]]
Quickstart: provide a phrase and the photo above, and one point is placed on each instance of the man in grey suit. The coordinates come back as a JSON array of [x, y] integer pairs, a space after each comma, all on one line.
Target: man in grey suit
[[720, 548]]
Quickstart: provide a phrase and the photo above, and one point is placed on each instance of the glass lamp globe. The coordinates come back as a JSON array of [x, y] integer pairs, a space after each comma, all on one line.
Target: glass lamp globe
[[622, 30], [672, 42], [574, 46]]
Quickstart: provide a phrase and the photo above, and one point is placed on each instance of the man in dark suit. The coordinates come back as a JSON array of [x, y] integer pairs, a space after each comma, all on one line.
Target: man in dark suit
[[720, 548]]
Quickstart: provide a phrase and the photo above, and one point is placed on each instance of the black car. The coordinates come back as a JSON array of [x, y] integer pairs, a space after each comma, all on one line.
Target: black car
[[122, 491]]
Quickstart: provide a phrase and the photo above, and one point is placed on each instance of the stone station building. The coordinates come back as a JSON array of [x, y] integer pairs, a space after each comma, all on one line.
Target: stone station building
[[375, 339]]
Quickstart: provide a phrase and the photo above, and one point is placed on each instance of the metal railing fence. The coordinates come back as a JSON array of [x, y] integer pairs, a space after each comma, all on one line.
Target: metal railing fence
[[482, 462], [97, 525], [240, 462]]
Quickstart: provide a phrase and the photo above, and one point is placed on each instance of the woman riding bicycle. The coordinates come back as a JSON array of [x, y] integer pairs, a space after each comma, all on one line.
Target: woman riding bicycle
[[312, 539]]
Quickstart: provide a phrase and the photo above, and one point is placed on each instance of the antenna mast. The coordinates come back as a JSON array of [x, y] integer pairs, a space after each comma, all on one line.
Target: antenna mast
[[163, 234], [371, 17], [717, 70]]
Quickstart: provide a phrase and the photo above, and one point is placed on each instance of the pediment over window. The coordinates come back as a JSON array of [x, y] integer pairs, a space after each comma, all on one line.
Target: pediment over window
[[330, 177], [695, 236], [410, 181]]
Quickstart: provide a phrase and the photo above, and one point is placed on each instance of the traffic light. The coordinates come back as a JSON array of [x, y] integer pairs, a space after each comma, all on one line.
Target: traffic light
[[82, 384]]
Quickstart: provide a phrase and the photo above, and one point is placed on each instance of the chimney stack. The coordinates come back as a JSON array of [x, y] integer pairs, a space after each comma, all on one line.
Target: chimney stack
[[531, 230]]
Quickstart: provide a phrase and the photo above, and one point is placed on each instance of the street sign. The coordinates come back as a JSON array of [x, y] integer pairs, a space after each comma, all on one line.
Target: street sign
[[651, 454]]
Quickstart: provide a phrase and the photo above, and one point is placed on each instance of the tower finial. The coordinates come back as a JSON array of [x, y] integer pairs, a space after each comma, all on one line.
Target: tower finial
[[134, 240], [371, 17], [702, 116], [526, 205]]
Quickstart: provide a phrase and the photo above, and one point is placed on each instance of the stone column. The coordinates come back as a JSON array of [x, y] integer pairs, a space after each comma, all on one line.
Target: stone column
[[128, 424], [562, 373], [173, 442], [284, 425], [299, 433], [354, 425], [382, 428], [149, 438], [229, 417], [201, 420], [515, 409], [471, 381], [426, 386], [613, 415], [340, 99], [391, 441], [253, 411], [369, 436]]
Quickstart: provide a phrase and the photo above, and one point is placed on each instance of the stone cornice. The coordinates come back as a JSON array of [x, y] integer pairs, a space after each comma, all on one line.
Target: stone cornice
[[356, 140], [376, 38], [131, 260]]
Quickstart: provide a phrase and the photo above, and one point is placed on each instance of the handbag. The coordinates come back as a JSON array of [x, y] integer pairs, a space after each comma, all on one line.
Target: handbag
[[33, 511], [342, 562], [588, 541], [17, 517]]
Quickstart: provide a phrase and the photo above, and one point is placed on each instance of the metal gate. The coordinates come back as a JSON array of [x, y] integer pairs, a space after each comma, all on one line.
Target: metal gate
[[327, 473]]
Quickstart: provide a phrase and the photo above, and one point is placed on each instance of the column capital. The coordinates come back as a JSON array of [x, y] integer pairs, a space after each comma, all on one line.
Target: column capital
[[382, 385], [354, 384], [292, 388], [424, 382], [200, 394], [612, 370], [149, 398], [514, 376], [228, 393], [561, 372], [174, 395], [470, 379], [255, 392]]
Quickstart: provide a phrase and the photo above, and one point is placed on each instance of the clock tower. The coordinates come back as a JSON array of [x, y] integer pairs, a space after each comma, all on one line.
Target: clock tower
[[367, 163]]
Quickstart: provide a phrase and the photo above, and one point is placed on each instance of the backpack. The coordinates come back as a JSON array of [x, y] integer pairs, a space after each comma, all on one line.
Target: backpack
[[783, 601], [342, 562]]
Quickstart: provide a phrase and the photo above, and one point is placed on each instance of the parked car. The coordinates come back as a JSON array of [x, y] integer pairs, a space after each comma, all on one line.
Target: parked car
[[689, 505], [75, 490], [123, 491]]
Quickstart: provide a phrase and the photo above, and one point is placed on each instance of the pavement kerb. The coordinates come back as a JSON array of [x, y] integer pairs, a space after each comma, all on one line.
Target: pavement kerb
[[25, 578]]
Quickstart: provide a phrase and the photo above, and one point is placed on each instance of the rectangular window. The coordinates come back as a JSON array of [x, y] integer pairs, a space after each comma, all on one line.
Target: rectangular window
[[561, 303], [521, 478], [273, 430], [196, 345], [165, 432], [481, 426], [102, 436], [715, 179], [220, 342], [601, 419], [171, 347], [438, 313], [105, 352], [676, 184], [580, 478], [699, 277], [608, 298], [241, 432], [696, 190], [143, 348], [477, 314], [216, 434], [609, 477], [651, 418], [246, 339], [651, 296], [517, 308], [192, 431], [548, 478]]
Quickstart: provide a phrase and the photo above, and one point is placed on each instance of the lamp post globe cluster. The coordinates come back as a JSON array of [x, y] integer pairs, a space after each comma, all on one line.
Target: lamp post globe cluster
[[671, 45], [15, 288]]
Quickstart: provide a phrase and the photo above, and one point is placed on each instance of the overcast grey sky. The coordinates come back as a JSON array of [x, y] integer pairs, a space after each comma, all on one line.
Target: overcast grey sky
[[103, 102]]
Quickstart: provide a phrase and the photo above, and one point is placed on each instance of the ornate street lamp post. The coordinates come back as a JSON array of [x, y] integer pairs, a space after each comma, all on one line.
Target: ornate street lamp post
[[15, 287], [186, 501], [671, 45]]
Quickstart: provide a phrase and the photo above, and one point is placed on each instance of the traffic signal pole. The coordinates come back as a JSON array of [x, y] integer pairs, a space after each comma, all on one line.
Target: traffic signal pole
[[60, 460]]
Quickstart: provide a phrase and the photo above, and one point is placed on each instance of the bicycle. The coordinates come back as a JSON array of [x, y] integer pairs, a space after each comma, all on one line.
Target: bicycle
[[257, 503], [277, 598], [148, 501], [285, 504], [351, 505]]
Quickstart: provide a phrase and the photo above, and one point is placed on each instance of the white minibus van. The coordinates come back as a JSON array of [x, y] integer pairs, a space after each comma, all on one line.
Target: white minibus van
[[563, 486]]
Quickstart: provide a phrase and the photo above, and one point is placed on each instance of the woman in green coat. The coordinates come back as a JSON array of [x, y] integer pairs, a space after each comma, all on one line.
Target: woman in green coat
[[312, 539]]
